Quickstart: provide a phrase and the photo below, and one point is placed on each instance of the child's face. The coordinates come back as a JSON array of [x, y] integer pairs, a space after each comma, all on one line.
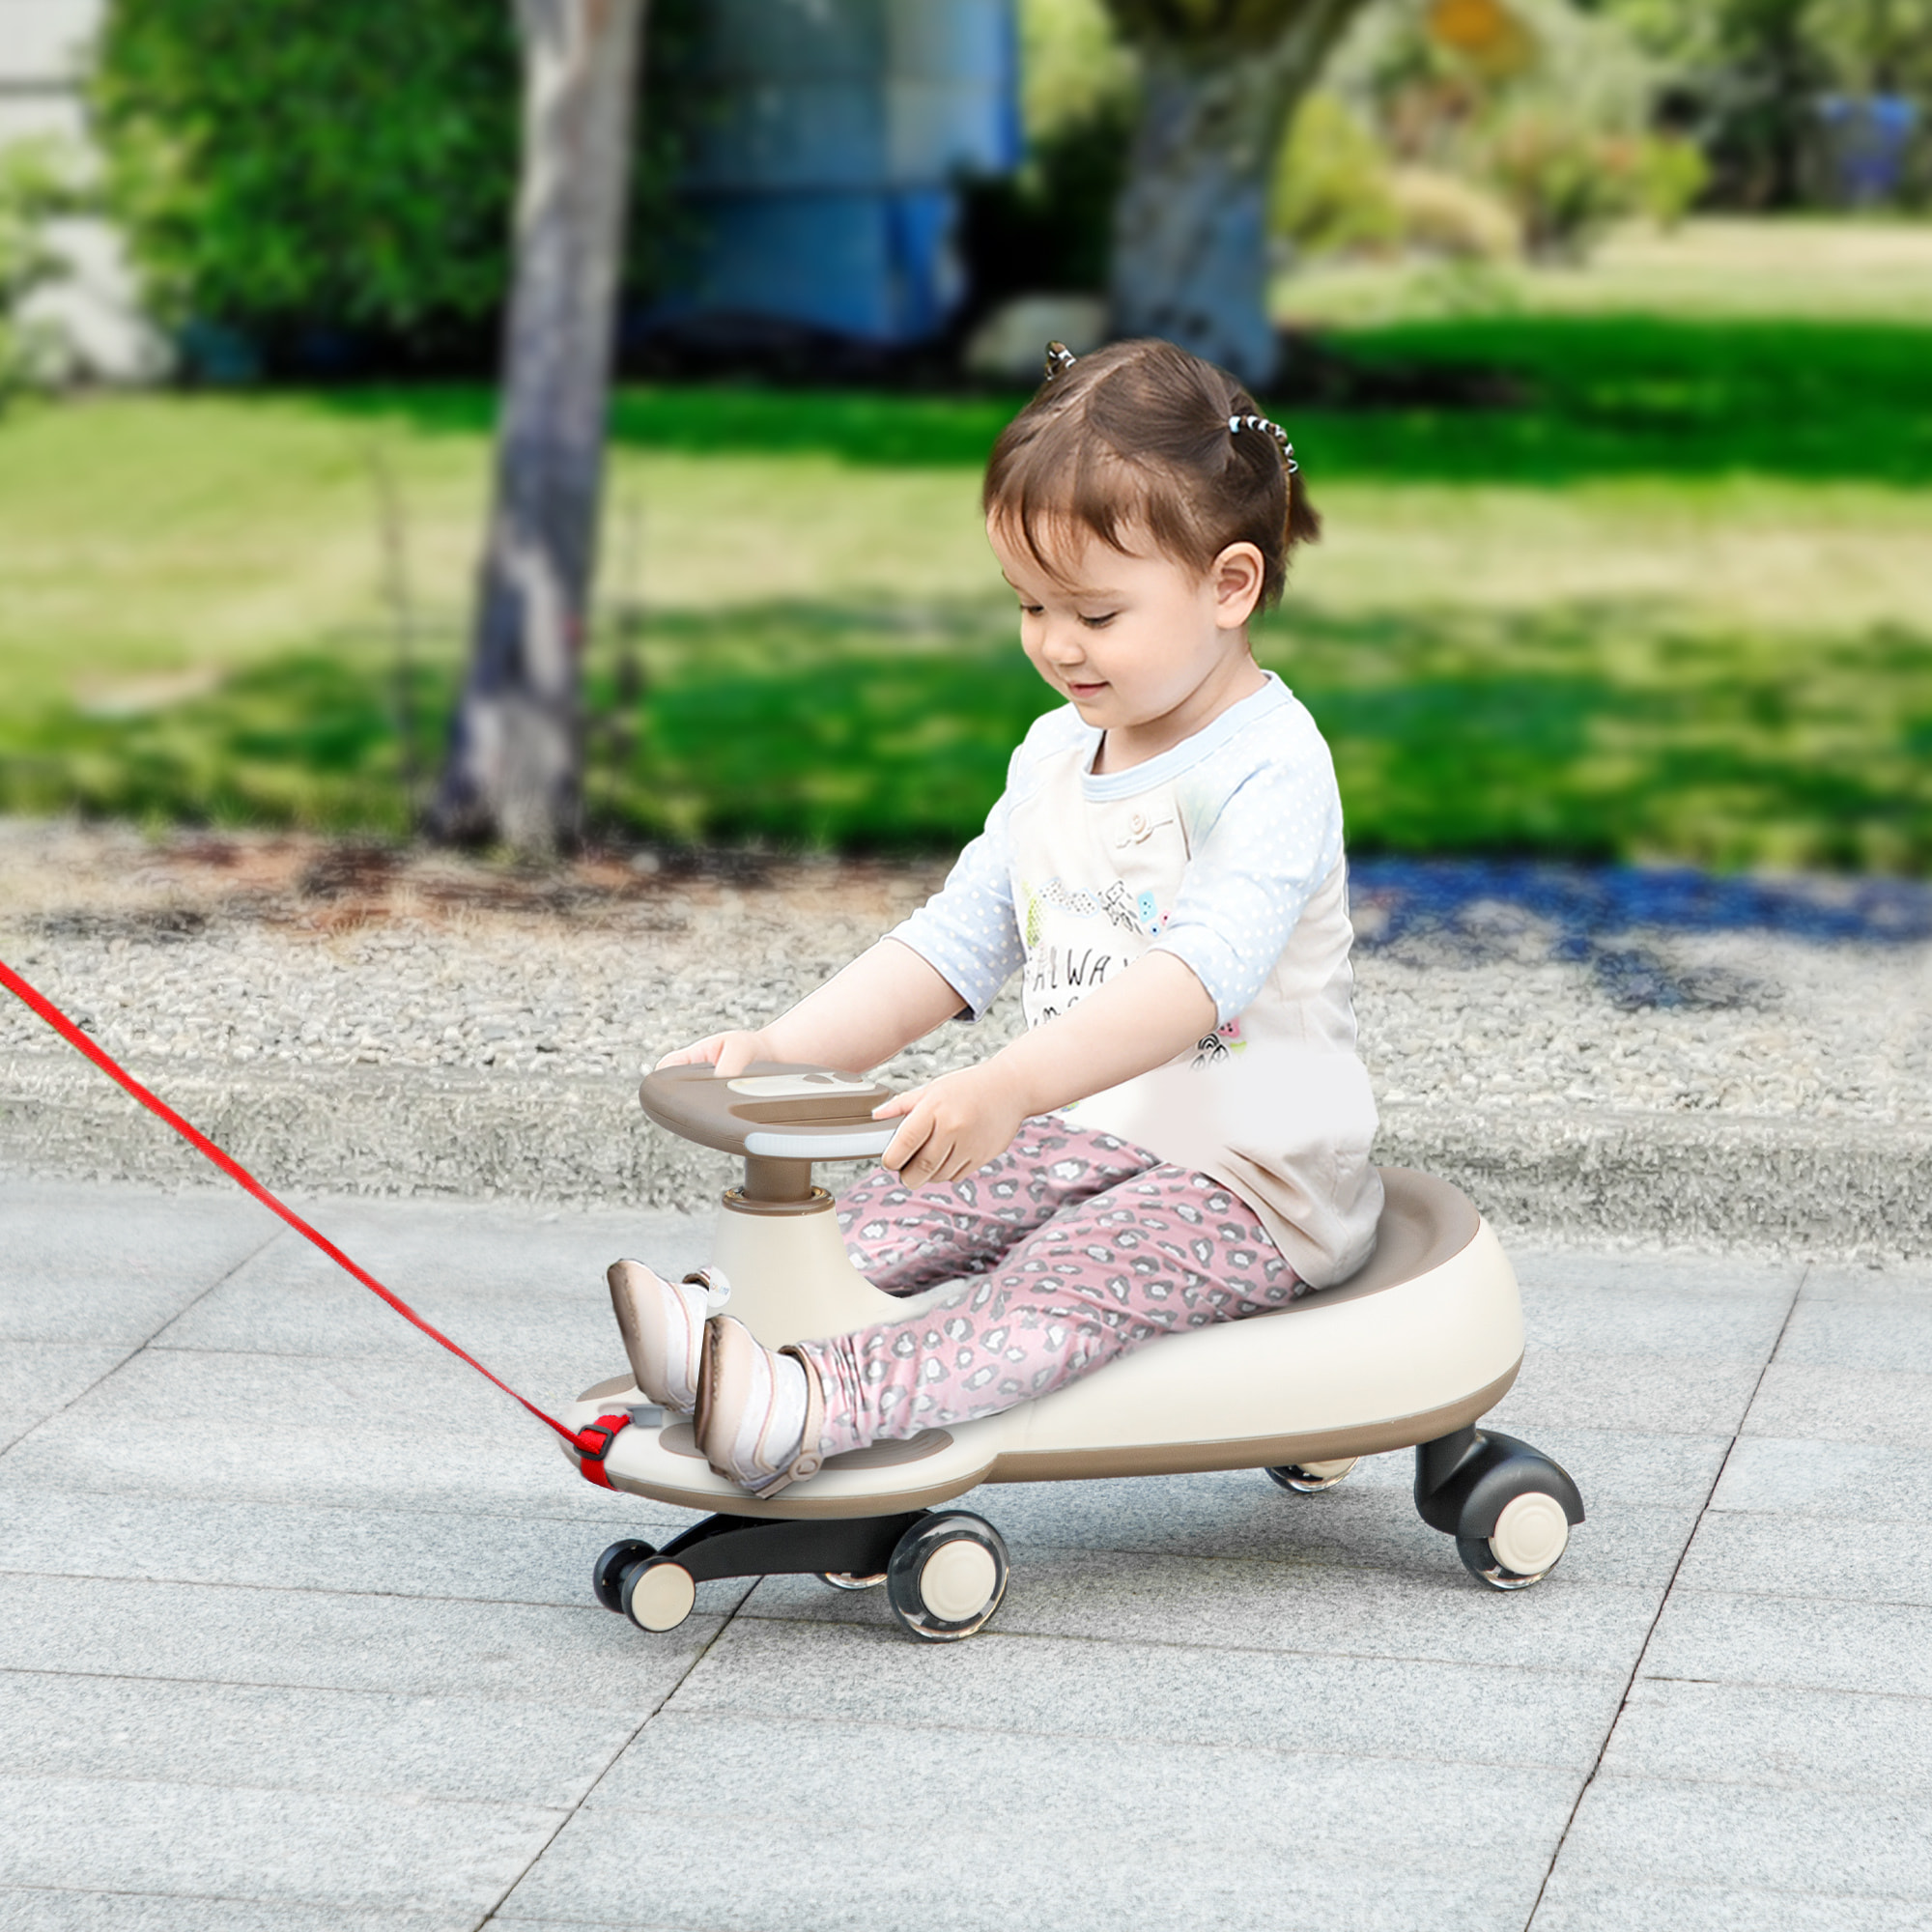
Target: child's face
[[1147, 649]]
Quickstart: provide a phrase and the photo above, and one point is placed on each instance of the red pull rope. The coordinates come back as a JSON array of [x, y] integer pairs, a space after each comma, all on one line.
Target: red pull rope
[[588, 1442]]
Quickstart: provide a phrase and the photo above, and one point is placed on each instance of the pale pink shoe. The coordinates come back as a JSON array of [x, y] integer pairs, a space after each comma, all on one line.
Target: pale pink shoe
[[748, 1425], [663, 1327]]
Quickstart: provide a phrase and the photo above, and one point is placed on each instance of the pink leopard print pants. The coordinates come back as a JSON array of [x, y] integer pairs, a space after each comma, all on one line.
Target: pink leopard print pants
[[1078, 1247]]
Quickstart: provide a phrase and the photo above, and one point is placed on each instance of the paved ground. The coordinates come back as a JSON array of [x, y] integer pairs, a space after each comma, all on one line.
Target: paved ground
[[295, 1633]]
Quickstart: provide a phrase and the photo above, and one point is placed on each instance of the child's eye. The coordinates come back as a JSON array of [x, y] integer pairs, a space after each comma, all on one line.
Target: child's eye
[[1100, 623], [1031, 610]]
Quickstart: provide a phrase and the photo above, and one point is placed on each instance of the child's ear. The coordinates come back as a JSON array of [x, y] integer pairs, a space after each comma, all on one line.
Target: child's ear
[[1238, 575]]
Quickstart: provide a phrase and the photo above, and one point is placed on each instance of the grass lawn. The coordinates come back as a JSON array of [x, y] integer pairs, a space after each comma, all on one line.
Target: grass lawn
[[1671, 602]]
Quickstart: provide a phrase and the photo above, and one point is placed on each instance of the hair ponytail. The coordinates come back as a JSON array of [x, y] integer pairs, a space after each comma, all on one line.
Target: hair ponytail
[[1142, 441]]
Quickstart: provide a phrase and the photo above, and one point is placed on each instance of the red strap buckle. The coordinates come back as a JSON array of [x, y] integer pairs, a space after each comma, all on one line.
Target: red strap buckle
[[594, 1444], [595, 1439]]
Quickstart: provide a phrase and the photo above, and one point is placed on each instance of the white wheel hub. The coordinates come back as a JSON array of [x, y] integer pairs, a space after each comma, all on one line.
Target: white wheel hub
[[1328, 1472], [664, 1596], [1530, 1535], [958, 1580]]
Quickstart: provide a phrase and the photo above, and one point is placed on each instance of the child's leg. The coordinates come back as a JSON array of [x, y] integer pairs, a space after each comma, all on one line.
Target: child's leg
[[1167, 1250], [905, 1238]]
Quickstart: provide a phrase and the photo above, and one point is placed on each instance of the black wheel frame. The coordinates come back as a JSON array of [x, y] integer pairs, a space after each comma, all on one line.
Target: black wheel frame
[[606, 1574]]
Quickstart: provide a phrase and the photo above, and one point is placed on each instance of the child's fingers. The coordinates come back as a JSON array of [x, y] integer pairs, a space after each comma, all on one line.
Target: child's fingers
[[730, 1053], [903, 1148], [899, 1104], [911, 1154], [700, 1053], [735, 1052]]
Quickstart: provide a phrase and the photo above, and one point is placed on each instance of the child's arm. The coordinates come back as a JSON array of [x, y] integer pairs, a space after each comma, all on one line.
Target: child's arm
[[1141, 1020], [884, 1000]]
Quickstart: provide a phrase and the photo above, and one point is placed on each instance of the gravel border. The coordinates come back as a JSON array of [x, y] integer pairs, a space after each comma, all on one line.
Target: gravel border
[[1624, 1057]]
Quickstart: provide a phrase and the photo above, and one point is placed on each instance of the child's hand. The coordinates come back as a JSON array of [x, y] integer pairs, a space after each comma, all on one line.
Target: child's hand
[[729, 1051], [954, 1125]]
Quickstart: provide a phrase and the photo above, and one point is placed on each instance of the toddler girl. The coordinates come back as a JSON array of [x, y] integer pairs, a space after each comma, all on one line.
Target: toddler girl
[[1181, 1136]]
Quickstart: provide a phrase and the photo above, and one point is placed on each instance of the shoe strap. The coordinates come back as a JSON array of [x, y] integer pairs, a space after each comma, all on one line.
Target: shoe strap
[[808, 1461]]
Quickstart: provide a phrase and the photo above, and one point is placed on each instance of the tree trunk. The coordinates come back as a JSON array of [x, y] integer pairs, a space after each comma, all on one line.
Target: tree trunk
[[1190, 229], [514, 770]]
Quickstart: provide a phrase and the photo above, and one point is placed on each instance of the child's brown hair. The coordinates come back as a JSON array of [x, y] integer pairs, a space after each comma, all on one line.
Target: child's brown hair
[[1142, 436]]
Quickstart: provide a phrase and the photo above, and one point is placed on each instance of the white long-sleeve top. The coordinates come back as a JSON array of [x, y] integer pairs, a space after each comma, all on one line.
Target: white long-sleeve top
[[1225, 850]]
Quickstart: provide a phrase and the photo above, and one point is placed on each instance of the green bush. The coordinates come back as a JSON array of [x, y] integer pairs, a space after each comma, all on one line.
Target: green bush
[[276, 160], [279, 163], [1331, 186], [1566, 180]]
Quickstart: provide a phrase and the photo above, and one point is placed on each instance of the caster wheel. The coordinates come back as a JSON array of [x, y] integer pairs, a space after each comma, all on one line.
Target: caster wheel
[[947, 1576], [606, 1574], [844, 1580], [1308, 1478], [1528, 1541], [658, 1593]]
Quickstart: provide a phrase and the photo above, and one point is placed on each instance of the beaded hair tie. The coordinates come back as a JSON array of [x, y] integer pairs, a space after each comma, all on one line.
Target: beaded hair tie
[[1236, 424], [1060, 358]]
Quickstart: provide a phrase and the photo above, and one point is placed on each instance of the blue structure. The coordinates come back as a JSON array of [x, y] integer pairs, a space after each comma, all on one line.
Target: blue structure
[[1869, 137], [827, 173]]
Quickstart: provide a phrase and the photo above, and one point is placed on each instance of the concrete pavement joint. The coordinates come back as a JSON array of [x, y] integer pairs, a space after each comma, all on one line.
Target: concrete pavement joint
[[1663, 1599], [141, 1347], [683, 1677]]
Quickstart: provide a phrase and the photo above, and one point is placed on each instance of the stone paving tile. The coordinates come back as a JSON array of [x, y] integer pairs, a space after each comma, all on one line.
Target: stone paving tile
[[1636, 1315], [847, 1873], [1871, 1482], [128, 1730], [489, 1558], [72, 1273], [1363, 1520], [1844, 1405], [1288, 1701], [1853, 1846], [577, 1658], [502, 1290], [1808, 1557], [1617, 1468], [427, 1434], [386, 1612], [1829, 1281], [1287, 1606], [624, 1917], [1565, 1270], [1798, 1642], [123, 1910], [308, 1848], [1200, 1794], [1797, 1740], [1629, 1905], [39, 1378], [1884, 1326], [1403, 1845], [1580, 1388]]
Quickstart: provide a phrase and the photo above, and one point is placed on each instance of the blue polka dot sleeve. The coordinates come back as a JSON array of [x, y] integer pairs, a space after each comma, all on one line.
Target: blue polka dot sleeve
[[967, 932], [1252, 870]]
